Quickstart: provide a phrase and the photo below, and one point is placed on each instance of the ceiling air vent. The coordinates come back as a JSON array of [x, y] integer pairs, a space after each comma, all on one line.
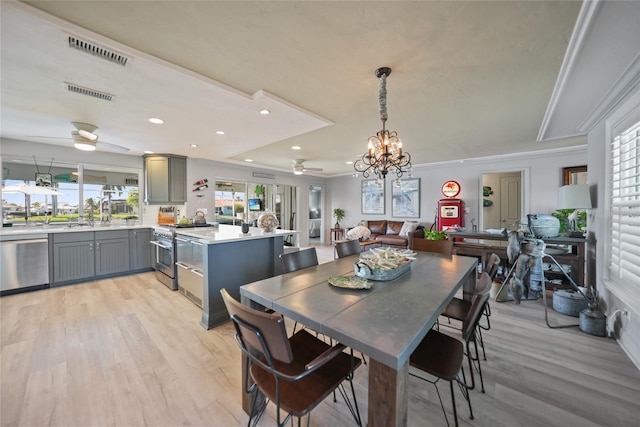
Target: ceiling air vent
[[96, 50], [89, 92]]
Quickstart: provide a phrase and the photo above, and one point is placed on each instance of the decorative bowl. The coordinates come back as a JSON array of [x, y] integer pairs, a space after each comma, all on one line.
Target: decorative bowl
[[268, 221]]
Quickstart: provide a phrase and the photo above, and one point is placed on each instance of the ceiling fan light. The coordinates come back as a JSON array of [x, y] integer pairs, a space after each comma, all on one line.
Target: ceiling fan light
[[297, 172], [84, 145]]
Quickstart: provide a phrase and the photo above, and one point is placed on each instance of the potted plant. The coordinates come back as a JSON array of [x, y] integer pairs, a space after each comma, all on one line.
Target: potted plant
[[131, 219], [339, 214], [435, 235]]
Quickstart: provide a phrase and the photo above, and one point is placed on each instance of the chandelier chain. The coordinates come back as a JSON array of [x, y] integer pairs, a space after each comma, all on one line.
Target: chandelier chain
[[382, 98]]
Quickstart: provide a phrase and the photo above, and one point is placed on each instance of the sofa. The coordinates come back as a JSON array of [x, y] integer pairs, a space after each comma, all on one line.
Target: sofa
[[387, 233]]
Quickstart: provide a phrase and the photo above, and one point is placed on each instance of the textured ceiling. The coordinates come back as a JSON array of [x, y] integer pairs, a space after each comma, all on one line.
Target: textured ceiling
[[469, 79]]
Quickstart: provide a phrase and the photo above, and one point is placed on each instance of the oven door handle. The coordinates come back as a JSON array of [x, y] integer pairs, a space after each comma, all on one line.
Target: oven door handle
[[153, 242]]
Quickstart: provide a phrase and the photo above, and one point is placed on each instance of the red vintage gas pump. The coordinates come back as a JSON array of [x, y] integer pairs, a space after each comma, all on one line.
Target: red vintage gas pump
[[450, 210]]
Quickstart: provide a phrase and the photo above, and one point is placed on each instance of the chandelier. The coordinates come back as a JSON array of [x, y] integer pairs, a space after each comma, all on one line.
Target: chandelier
[[384, 153]]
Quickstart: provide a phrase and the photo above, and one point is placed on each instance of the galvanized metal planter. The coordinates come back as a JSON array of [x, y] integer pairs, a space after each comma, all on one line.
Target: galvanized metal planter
[[363, 270]]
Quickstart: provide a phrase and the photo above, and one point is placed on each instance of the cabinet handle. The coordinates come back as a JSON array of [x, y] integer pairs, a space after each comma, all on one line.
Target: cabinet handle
[[90, 247], [97, 246]]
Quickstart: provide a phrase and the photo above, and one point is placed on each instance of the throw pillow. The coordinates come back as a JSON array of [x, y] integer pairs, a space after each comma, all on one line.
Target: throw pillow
[[408, 227], [359, 233]]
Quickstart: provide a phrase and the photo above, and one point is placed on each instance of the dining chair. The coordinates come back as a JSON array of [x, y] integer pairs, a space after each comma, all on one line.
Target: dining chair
[[347, 247], [297, 372], [442, 356], [436, 246], [458, 308], [294, 261]]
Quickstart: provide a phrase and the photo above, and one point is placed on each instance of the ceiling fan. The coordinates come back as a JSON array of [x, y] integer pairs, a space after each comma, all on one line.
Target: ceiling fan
[[299, 168], [84, 138]]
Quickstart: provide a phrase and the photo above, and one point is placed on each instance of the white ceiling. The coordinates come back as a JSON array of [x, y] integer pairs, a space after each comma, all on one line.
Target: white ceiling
[[469, 79]]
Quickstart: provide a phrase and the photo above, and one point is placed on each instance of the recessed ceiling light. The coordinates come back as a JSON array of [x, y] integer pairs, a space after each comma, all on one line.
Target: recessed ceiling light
[[296, 147], [220, 132], [148, 152], [156, 121], [248, 160], [349, 162], [264, 112], [194, 145]]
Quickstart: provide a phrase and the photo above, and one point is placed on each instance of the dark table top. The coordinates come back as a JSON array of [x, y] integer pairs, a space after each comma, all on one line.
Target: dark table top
[[386, 322]]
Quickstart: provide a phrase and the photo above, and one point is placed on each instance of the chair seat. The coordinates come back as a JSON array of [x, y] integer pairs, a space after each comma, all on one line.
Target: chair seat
[[316, 386], [439, 355], [457, 309]]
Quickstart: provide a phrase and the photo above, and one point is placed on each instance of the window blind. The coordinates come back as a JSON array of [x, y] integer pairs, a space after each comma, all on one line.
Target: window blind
[[624, 203]]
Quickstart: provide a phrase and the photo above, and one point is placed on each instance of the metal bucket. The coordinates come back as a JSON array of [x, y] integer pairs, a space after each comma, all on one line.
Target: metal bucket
[[570, 303], [593, 322]]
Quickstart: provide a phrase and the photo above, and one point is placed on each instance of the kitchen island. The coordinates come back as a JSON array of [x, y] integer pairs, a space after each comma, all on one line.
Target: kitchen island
[[231, 259]]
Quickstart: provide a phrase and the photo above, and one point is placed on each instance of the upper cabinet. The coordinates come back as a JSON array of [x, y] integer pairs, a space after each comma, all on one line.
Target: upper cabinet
[[165, 178]]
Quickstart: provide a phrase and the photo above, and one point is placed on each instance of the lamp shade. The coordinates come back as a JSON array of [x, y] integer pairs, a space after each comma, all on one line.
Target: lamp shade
[[574, 197]]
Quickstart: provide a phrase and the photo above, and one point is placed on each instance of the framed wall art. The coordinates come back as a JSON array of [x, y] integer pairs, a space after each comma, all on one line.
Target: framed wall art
[[405, 200], [372, 197], [574, 175]]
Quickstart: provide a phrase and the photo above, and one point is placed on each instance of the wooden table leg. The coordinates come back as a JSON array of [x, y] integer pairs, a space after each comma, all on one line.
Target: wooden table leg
[[388, 395]]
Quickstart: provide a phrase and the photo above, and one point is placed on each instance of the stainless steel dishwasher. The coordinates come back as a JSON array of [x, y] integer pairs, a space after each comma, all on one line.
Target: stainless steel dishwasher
[[189, 253], [23, 264]]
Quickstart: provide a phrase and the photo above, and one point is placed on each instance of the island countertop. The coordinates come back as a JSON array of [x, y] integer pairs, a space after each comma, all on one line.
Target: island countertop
[[231, 233]]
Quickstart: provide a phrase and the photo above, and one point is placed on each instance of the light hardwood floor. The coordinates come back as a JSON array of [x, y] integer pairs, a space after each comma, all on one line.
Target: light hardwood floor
[[129, 352]]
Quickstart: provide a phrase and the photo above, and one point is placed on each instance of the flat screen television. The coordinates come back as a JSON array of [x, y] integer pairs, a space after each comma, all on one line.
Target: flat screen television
[[254, 204]]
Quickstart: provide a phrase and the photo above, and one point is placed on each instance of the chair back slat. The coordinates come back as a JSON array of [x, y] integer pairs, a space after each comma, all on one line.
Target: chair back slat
[[469, 324], [270, 326], [294, 261], [349, 247]]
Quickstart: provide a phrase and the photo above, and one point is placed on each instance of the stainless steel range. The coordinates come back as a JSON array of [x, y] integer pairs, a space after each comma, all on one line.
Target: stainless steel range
[[164, 239]]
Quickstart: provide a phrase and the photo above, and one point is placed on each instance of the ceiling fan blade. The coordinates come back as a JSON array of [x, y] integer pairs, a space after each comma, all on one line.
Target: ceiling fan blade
[[111, 147], [312, 169]]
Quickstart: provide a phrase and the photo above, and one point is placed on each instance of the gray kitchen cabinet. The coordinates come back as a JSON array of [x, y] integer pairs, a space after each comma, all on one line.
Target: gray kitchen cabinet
[[73, 257], [112, 252], [165, 178], [140, 249]]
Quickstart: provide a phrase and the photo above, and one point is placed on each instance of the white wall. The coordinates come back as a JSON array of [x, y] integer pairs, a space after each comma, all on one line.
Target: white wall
[[627, 330], [542, 178]]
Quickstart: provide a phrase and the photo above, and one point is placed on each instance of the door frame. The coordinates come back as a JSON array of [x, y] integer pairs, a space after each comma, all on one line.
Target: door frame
[[525, 190]]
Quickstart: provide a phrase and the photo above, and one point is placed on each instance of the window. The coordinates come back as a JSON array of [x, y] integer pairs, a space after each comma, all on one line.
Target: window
[[623, 204]]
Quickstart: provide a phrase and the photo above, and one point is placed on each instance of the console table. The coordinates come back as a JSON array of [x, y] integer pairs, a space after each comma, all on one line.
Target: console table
[[478, 248]]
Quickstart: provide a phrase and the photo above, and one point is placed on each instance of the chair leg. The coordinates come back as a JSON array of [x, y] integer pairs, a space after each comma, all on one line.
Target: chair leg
[[353, 407], [479, 365], [453, 402], [479, 336]]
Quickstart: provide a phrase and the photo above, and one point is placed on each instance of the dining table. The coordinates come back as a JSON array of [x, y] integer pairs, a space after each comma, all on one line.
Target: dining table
[[385, 322]]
